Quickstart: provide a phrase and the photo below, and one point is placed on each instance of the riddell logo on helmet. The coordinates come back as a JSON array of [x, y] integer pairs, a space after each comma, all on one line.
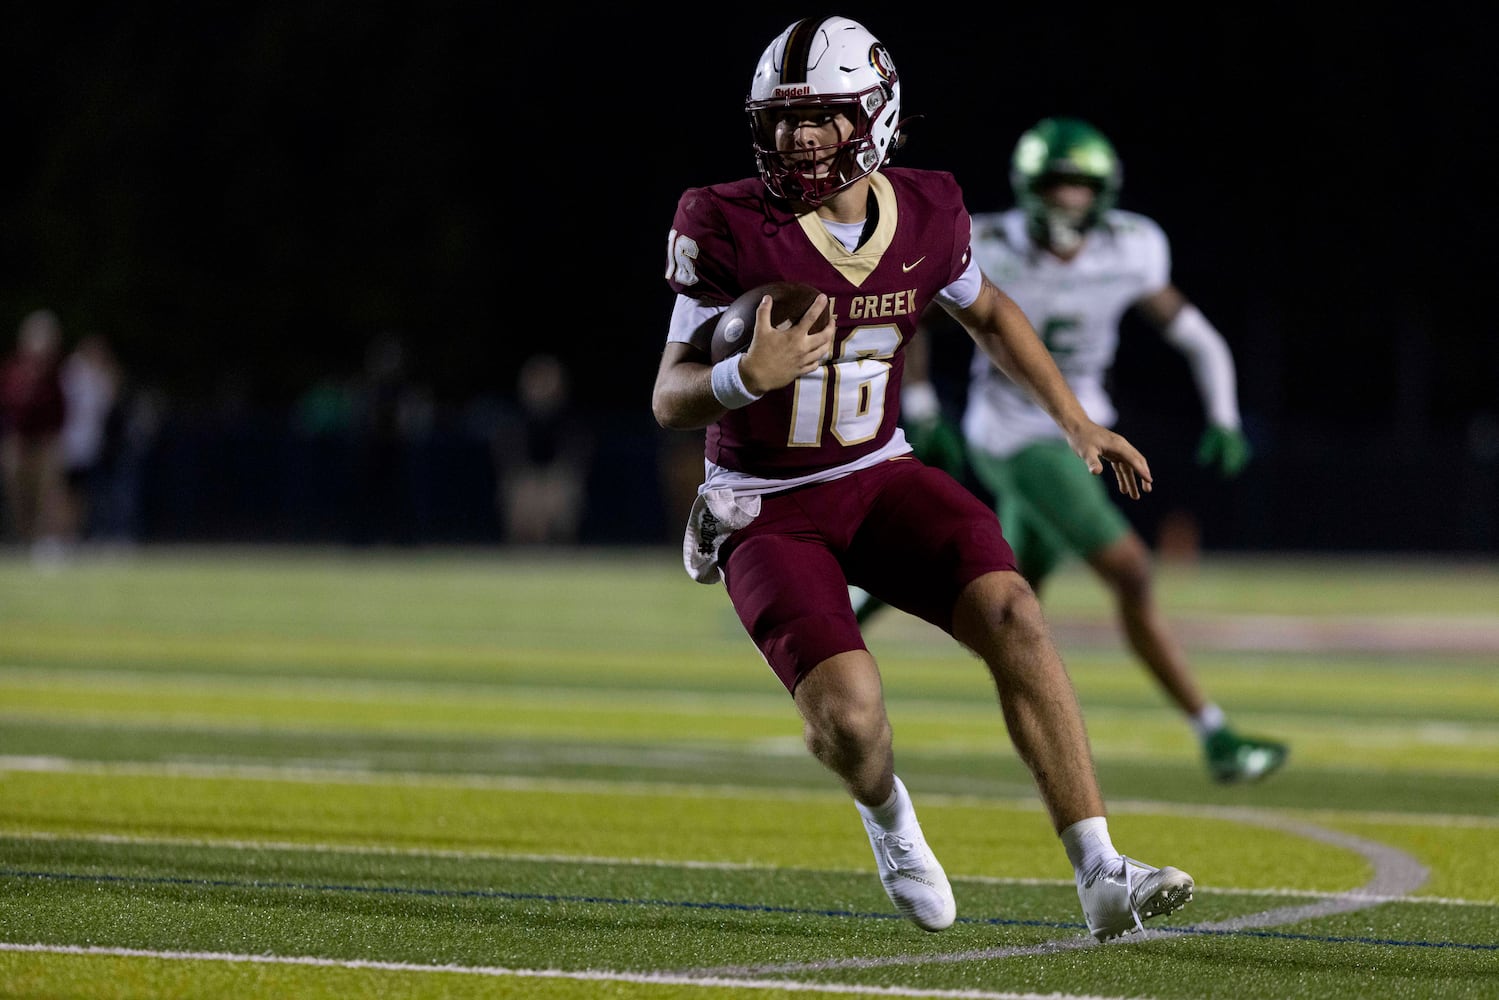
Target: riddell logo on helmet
[[800, 90]]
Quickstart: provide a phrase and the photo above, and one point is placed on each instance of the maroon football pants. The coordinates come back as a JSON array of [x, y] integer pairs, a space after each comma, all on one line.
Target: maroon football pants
[[909, 534]]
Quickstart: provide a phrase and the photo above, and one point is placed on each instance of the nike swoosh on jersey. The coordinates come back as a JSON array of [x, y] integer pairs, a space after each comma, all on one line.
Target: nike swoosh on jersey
[[904, 268]]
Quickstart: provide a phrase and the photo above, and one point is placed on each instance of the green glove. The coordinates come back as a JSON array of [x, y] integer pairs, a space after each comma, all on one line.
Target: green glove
[[937, 442], [1225, 447]]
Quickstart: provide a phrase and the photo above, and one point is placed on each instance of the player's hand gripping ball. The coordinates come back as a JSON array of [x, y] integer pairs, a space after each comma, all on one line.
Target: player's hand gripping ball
[[736, 325]]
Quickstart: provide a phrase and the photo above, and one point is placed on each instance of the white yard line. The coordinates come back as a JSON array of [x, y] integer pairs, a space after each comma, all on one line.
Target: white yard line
[[375, 850], [587, 975], [1395, 872], [363, 776], [1396, 875], [1305, 633]]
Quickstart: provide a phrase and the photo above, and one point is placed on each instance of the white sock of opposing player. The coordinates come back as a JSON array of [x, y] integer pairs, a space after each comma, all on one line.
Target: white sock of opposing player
[[1208, 721]]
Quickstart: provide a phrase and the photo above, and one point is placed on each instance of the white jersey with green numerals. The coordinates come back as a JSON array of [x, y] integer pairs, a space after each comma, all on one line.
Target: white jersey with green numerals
[[1074, 305]]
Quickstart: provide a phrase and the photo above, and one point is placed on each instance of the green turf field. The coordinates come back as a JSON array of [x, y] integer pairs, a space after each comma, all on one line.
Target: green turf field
[[270, 774]]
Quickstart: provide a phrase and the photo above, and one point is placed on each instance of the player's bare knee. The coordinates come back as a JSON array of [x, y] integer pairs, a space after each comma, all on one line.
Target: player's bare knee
[[844, 733], [847, 717], [843, 706], [850, 733], [995, 605]]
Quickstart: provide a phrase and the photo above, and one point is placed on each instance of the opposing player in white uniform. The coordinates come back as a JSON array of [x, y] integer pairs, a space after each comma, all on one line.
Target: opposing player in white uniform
[[1076, 264]]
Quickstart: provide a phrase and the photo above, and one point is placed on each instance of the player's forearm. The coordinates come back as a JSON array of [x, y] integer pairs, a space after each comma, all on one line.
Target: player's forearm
[[1005, 334], [683, 399], [1031, 367]]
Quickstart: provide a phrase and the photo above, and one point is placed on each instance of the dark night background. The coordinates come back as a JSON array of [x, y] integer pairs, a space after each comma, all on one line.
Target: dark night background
[[243, 196]]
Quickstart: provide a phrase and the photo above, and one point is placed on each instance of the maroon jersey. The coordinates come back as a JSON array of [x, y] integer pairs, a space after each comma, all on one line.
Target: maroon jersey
[[31, 397], [728, 238]]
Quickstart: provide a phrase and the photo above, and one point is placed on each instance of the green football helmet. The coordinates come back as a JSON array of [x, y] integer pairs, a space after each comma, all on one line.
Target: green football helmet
[[1064, 149]]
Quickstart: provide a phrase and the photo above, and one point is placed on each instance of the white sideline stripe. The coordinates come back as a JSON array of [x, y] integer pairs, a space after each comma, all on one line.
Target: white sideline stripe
[[1311, 633], [358, 776], [651, 978], [594, 859], [315, 689], [370, 776]]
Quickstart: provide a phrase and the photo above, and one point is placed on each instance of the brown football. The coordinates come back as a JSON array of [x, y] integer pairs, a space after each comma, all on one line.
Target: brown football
[[736, 326]]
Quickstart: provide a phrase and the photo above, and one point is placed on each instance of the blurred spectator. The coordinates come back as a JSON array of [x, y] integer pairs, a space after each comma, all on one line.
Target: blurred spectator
[[325, 410], [91, 391], [391, 413], [130, 435], [319, 488], [32, 409], [543, 463]]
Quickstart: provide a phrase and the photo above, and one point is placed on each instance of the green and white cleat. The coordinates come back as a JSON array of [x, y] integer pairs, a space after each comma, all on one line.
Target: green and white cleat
[[1119, 897], [1234, 759]]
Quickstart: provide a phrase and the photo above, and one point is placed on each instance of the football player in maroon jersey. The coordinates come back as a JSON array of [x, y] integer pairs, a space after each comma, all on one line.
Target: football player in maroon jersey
[[810, 485]]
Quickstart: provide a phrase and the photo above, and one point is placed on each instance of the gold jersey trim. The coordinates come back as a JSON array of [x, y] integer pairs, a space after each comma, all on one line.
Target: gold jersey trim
[[860, 264]]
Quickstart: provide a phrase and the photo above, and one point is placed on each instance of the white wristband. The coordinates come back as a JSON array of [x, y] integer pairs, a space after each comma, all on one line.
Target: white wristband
[[728, 386]]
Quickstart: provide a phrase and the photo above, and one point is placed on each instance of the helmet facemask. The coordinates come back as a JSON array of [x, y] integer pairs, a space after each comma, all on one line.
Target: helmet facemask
[[1062, 227], [853, 155]]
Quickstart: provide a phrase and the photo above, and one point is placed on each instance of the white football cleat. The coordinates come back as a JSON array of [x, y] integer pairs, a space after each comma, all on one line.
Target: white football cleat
[[912, 876], [1118, 896]]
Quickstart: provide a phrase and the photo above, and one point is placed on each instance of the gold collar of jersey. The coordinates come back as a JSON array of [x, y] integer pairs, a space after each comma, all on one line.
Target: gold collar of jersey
[[861, 263]]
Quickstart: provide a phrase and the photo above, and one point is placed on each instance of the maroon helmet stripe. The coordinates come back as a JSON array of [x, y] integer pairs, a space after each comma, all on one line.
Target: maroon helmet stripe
[[798, 47]]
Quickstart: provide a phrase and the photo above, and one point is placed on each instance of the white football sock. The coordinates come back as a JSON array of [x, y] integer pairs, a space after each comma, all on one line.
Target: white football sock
[[1208, 721], [890, 814], [1088, 845]]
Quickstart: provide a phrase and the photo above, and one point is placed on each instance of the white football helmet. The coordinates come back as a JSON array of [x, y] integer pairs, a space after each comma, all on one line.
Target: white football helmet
[[829, 63]]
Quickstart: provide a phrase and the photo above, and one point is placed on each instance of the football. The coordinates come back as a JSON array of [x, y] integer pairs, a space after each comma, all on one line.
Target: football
[[736, 326]]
